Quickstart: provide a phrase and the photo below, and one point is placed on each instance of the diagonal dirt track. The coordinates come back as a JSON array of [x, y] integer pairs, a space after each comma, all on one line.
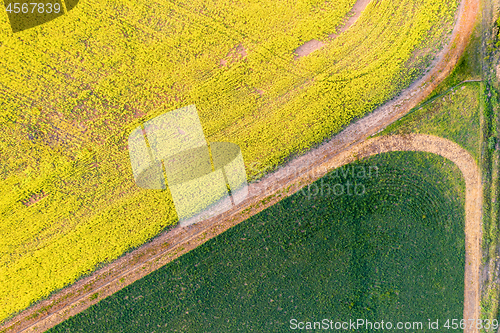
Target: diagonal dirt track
[[198, 234], [264, 193]]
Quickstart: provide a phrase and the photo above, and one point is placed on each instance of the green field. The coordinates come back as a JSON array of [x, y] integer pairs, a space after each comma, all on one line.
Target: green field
[[453, 115], [394, 253], [72, 90]]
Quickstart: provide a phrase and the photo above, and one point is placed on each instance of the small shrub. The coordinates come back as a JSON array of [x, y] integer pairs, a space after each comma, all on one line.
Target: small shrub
[[492, 142]]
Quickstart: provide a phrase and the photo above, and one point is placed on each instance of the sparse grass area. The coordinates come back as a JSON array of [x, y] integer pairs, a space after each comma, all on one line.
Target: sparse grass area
[[73, 89], [454, 116], [395, 253], [491, 134]]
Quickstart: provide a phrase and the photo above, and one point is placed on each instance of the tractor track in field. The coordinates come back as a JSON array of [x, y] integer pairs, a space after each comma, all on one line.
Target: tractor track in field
[[284, 182], [314, 44]]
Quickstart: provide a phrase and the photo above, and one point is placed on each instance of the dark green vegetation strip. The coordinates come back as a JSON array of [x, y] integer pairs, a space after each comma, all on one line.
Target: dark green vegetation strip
[[394, 253]]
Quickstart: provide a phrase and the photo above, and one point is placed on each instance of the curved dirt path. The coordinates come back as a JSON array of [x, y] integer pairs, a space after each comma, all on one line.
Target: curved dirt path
[[473, 200], [269, 190]]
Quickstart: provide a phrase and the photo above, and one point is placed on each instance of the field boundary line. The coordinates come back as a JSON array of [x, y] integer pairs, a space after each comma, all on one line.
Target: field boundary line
[[269, 190]]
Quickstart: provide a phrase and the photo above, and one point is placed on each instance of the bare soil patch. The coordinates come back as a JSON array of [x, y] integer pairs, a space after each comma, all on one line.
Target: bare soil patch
[[235, 54], [308, 47]]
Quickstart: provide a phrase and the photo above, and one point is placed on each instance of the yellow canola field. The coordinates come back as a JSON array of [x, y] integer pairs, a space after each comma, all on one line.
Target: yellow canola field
[[72, 90]]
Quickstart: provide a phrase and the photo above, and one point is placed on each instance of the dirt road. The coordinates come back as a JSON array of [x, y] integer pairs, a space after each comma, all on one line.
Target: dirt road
[[264, 193]]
